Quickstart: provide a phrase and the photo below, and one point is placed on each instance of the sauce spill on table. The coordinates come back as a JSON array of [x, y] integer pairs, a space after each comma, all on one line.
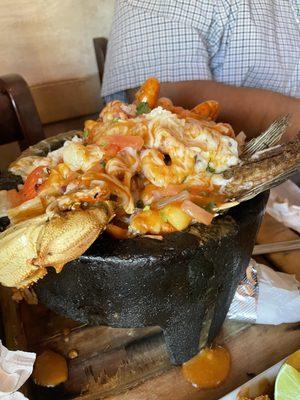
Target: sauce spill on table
[[209, 368], [50, 369]]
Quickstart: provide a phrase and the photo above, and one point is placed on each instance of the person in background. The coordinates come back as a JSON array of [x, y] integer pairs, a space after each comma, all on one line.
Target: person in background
[[243, 53]]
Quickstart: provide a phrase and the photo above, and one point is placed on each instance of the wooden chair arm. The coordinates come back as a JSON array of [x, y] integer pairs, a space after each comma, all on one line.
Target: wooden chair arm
[[100, 46], [16, 88]]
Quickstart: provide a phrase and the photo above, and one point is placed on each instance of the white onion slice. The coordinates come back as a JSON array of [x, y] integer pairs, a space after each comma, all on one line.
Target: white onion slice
[[197, 213], [178, 197]]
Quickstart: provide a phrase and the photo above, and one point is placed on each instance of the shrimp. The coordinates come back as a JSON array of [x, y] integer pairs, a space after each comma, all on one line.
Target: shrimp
[[225, 129], [114, 119], [165, 147], [214, 151], [131, 158], [158, 173], [113, 186], [117, 168], [124, 166], [167, 104], [79, 157], [117, 110], [207, 111], [148, 92], [115, 128]]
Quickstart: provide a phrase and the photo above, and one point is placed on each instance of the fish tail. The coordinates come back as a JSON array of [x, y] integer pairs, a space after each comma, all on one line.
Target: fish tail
[[268, 138], [262, 171]]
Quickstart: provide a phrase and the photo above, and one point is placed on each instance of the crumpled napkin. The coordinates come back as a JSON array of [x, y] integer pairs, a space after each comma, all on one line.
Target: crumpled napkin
[[284, 204], [278, 297], [265, 296], [15, 369], [14, 396]]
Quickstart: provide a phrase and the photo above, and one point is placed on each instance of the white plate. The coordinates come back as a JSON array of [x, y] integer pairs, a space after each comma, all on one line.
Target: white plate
[[253, 387]]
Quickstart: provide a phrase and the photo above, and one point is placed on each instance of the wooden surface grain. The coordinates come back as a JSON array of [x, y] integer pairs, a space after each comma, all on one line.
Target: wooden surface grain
[[255, 349]]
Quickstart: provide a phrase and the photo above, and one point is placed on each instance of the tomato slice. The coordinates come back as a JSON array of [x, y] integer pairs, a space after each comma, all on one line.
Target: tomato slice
[[30, 188], [122, 141], [111, 150]]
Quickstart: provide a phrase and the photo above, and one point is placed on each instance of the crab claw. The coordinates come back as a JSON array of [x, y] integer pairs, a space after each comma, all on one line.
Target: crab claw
[[28, 248]]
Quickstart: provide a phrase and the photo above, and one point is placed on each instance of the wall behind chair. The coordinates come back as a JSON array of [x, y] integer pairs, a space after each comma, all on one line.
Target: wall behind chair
[[50, 43]]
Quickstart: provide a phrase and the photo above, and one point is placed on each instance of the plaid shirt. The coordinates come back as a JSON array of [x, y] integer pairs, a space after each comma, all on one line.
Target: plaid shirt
[[254, 43]]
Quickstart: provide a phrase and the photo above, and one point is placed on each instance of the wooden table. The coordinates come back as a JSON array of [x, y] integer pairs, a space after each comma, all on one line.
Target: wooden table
[[132, 364]]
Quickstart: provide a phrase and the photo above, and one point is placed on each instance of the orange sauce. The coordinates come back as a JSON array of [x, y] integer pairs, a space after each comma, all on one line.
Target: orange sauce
[[209, 368], [50, 369]]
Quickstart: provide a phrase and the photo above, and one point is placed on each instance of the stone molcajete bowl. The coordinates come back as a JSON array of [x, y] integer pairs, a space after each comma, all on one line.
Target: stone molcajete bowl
[[177, 283], [184, 283]]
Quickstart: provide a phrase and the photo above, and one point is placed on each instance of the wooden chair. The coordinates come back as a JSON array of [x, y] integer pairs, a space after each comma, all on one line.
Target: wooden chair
[[100, 46], [19, 118]]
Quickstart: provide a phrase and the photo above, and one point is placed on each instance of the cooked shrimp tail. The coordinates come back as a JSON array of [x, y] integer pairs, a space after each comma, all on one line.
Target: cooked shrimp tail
[[148, 92], [208, 110]]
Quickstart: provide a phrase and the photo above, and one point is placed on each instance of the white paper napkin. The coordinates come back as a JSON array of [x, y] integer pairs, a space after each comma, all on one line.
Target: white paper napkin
[[265, 296], [284, 204], [15, 369], [278, 297], [13, 396]]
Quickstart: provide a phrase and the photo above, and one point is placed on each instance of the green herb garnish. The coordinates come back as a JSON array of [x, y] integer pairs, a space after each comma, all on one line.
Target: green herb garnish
[[103, 163], [115, 119], [143, 108], [209, 206], [146, 208], [210, 169], [163, 216], [85, 134]]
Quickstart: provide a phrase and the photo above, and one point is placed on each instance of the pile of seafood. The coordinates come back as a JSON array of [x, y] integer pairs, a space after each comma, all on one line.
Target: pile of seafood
[[148, 168]]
